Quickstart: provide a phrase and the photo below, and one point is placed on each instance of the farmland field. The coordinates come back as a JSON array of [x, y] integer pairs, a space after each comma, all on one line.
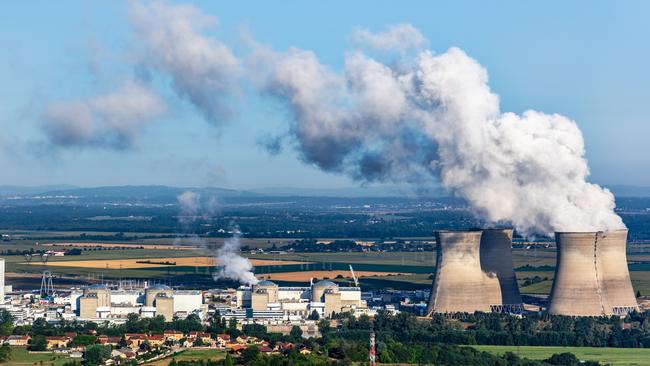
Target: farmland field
[[20, 356], [153, 262], [192, 354], [611, 356]]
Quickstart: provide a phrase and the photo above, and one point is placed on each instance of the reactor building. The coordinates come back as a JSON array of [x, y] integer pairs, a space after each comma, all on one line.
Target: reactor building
[[474, 272], [591, 275]]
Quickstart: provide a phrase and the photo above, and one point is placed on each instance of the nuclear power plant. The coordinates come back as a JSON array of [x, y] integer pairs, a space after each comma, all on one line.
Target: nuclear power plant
[[474, 273], [591, 275]]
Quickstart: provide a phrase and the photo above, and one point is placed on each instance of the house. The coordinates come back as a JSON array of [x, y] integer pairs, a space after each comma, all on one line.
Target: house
[[236, 348], [173, 335], [18, 340], [204, 337], [284, 346], [304, 351], [266, 350], [156, 340], [108, 341], [123, 353], [135, 340], [57, 342], [223, 339]]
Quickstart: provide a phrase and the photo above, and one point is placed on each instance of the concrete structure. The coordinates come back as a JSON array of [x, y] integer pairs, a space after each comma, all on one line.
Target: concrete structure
[[99, 301], [459, 283], [591, 275], [496, 261], [474, 273], [267, 300]]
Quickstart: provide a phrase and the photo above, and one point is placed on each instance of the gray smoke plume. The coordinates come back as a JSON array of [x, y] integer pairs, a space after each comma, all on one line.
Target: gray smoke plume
[[434, 117], [232, 264], [229, 261], [111, 120]]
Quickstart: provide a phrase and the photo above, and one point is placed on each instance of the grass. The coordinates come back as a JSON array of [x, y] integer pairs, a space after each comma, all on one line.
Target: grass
[[20, 356], [191, 354], [613, 356]]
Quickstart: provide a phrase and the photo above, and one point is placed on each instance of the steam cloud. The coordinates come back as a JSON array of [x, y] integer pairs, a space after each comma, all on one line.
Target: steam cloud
[[430, 117], [434, 117], [110, 120], [201, 69], [231, 264], [400, 37]]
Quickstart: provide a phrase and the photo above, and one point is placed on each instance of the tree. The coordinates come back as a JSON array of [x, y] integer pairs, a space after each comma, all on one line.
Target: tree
[[638, 293], [296, 332], [6, 323], [314, 315], [39, 343], [249, 354], [5, 353], [229, 361], [96, 354]]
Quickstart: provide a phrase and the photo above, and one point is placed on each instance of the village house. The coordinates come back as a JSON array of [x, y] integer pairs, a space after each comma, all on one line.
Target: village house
[[57, 342], [18, 340], [173, 335]]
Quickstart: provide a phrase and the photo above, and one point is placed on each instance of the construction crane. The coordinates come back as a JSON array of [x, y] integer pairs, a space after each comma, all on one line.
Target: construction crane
[[356, 281]]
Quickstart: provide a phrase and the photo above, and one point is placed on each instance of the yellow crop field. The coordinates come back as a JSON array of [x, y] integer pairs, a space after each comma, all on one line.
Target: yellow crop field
[[154, 262]]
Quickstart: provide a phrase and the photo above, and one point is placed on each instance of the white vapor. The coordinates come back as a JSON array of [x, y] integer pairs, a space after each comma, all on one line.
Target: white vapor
[[110, 120], [232, 265], [435, 118], [201, 69], [400, 37]]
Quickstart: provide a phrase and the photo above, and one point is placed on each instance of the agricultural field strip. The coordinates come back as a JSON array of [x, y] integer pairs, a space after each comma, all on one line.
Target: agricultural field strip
[[613, 356], [134, 263]]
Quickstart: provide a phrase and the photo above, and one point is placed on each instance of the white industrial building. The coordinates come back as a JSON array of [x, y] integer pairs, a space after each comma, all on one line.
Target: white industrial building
[[267, 300]]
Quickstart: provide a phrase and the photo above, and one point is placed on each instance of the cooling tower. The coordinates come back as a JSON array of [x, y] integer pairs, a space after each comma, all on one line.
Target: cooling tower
[[496, 261], [591, 275], [459, 284]]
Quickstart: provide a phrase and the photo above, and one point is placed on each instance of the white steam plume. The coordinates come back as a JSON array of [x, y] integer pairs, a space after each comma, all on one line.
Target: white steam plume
[[111, 120], [202, 70], [435, 117], [400, 37], [232, 265]]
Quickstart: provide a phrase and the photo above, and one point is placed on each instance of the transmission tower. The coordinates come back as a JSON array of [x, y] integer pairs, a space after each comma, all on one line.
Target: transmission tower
[[47, 289]]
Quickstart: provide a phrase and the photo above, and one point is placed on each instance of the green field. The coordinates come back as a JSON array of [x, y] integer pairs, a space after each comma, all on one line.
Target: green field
[[20, 356], [191, 354], [613, 356]]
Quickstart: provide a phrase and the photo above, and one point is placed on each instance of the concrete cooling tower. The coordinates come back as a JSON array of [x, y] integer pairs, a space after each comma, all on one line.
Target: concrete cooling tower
[[591, 275], [496, 261], [474, 274]]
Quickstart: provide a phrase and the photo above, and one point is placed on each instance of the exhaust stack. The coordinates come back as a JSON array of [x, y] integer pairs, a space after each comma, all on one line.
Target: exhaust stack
[[591, 275]]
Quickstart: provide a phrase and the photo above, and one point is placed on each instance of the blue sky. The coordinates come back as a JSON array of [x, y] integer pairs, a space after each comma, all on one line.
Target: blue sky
[[587, 60]]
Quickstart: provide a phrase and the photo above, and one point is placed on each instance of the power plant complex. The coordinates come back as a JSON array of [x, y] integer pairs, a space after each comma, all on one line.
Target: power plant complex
[[474, 272]]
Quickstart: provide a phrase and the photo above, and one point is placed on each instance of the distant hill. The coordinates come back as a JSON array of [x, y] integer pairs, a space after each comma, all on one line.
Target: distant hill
[[144, 192], [629, 191], [22, 190]]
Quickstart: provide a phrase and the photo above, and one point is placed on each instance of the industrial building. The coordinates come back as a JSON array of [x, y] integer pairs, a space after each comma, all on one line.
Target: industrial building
[[101, 302], [267, 299], [591, 275], [474, 273]]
